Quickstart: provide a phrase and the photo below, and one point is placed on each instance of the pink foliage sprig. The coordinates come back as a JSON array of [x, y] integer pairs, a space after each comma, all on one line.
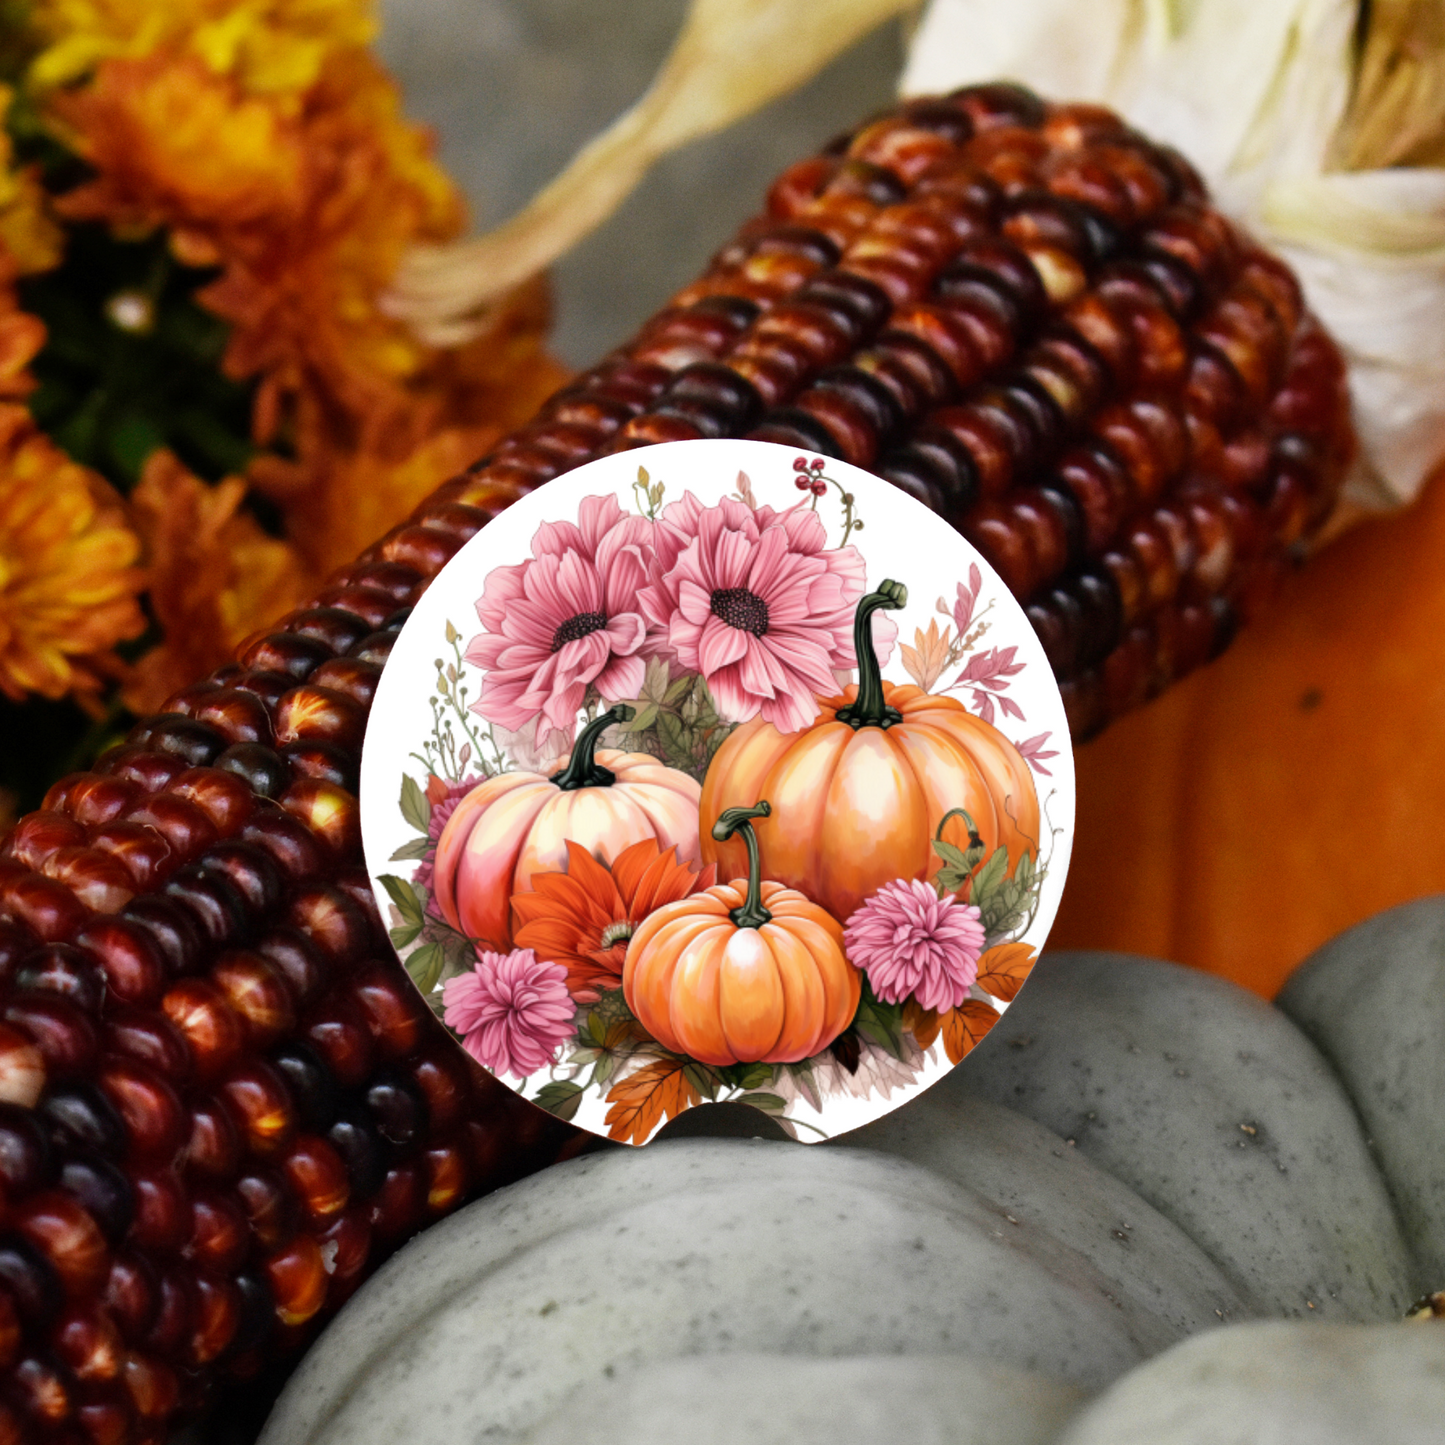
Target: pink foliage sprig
[[987, 675]]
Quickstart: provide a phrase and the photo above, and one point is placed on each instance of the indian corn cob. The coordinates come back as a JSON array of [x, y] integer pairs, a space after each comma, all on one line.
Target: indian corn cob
[[225, 1102]]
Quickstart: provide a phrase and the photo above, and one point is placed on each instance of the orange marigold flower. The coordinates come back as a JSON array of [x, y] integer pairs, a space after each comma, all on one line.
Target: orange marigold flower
[[214, 577], [68, 579], [27, 231], [584, 917]]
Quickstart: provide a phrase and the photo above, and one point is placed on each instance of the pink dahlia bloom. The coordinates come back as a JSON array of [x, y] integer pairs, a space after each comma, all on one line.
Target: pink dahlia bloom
[[755, 602], [909, 941], [512, 1010], [564, 619]]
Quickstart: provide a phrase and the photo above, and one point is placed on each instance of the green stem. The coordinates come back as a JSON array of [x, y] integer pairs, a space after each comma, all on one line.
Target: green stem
[[868, 709], [751, 914], [583, 770]]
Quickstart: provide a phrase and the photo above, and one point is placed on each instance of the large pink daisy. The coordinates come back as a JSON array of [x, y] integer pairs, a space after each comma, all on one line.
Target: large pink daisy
[[755, 602], [564, 619]]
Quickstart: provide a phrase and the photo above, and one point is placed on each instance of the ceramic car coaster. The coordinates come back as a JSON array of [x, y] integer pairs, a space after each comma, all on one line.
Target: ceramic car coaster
[[713, 772]]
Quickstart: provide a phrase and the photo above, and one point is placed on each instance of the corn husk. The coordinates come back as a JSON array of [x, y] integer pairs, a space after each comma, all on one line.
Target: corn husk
[[1319, 124]]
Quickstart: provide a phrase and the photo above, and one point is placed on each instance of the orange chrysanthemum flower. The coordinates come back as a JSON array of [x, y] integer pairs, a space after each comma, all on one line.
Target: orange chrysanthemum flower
[[584, 917], [68, 579], [214, 577]]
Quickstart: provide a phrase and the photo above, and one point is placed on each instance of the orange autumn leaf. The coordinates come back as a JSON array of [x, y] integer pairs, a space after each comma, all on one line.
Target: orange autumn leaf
[[642, 1100], [965, 1025], [928, 656], [922, 1023], [1003, 969], [213, 576]]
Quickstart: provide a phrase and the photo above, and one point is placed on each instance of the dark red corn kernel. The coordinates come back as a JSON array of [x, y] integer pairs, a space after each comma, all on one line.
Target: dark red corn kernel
[[194, 743], [257, 1313], [319, 714], [720, 389], [214, 1148], [79, 1116], [95, 878], [171, 929], [212, 1029], [237, 714], [852, 427], [213, 902], [942, 462], [23, 1072], [1044, 535], [154, 1118], [317, 1176], [994, 437], [42, 1391], [129, 1295], [257, 992], [999, 103], [260, 768], [775, 376], [105, 1418], [397, 1106], [61, 1229], [220, 795], [148, 1037], [345, 1248], [1100, 488], [1084, 704], [337, 1029], [26, 1161], [11, 1336], [790, 427], [62, 1032], [993, 529], [1149, 438], [335, 629], [217, 1319], [1059, 641], [185, 827], [95, 798], [88, 1344], [799, 185], [141, 851], [309, 1081], [394, 1010], [31, 1283], [370, 604], [175, 1312], [271, 1210], [258, 1098], [12, 1429], [323, 763], [331, 921], [873, 400], [445, 1084], [290, 846], [250, 870], [297, 961], [151, 1386], [329, 812], [350, 677], [375, 648], [289, 653], [103, 1191], [297, 1277], [62, 969], [398, 1206], [1069, 517], [266, 686], [354, 1137], [46, 907], [162, 1211], [446, 1177], [912, 375], [220, 1233], [39, 834]]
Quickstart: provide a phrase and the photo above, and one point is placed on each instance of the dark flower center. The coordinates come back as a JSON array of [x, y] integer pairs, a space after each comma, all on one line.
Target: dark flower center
[[741, 609], [578, 626]]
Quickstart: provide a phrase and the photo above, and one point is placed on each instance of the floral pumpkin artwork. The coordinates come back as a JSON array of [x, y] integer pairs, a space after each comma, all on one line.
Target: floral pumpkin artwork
[[863, 793], [517, 824], [746, 972], [582, 929]]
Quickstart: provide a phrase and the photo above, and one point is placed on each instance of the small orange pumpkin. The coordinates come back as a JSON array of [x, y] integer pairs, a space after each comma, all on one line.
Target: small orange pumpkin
[[517, 824], [861, 792], [743, 972]]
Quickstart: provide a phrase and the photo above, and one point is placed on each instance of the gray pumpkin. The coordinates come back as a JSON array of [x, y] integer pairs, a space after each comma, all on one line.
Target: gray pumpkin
[[1135, 1154]]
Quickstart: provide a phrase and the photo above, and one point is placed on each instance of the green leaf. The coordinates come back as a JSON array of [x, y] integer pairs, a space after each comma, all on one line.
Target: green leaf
[[990, 876], [881, 1024], [414, 806], [405, 935], [703, 1079], [754, 1076], [561, 1097], [768, 1103], [644, 717], [803, 1077], [597, 1028], [425, 966], [676, 744], [404, 896], [678, 687], [410, 852], [951, 853]]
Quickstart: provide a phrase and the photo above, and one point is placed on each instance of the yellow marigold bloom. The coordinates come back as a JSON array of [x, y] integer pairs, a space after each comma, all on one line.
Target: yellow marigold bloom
[[68, 579], [268, 46], [214, 577], [27, 232]]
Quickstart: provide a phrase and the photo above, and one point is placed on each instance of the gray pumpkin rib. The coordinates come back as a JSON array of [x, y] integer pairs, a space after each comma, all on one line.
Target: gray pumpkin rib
[[1373, 1001], [1278, 1381], [786, 1400], [1216, 1109], [1035, 1181], [726, 1245]]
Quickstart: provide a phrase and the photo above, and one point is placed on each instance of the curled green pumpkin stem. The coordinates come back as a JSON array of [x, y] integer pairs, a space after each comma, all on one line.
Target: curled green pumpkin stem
[[868, 709], [750, 913], [583, 770]]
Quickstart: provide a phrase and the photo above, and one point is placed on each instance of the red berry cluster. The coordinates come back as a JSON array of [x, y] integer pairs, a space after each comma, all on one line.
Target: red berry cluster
[[808, 478]]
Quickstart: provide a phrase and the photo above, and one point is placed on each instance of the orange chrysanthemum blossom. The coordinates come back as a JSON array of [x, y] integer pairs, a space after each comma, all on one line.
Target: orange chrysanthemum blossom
[[583, 918], [269, 46], [28, 233], [68, 579], [213, 575]]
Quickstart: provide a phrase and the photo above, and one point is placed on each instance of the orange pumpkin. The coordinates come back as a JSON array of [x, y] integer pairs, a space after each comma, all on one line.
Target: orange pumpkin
[[517, 824], [859, 794], [744, 972]]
